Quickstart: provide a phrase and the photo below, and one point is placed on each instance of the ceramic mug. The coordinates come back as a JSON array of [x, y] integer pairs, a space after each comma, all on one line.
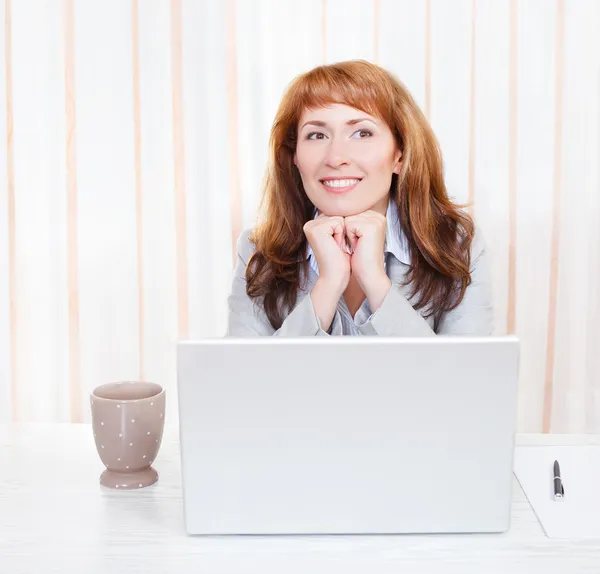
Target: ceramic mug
[[128, 420]]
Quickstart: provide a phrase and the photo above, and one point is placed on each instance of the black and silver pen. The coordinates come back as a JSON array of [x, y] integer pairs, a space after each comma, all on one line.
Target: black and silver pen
[[559, 489]]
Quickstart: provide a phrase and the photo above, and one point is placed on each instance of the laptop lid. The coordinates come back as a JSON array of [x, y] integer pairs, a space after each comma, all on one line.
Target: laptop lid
[[347, 435]]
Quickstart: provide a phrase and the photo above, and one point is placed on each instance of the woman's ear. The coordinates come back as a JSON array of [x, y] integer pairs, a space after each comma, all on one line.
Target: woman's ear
[[398, 162]]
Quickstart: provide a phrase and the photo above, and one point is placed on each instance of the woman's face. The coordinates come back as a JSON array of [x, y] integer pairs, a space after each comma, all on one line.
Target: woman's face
[[346, 159]]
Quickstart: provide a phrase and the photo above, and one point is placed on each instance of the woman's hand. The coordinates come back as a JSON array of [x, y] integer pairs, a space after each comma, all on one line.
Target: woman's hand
[[366, 234], [327, 239]]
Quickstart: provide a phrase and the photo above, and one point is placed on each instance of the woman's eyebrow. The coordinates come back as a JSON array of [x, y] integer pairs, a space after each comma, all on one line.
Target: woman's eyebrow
[[322, 124]]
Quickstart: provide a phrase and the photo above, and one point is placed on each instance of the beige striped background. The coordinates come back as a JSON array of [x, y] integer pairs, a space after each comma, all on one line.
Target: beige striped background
[[186, 95], [72, 219]]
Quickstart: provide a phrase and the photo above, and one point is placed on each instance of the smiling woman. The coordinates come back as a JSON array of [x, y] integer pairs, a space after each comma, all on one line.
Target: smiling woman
[[347, 152], [358, 235]]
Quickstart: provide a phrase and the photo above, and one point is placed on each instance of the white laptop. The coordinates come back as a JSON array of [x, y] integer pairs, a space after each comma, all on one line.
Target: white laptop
[[347, 435]]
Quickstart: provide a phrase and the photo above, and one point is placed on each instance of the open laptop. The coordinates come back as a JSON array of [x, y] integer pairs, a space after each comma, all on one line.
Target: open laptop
[[347, 434]]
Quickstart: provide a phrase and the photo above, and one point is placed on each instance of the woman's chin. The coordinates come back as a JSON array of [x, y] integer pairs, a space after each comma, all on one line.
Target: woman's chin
[[342, 208], [346, 207]]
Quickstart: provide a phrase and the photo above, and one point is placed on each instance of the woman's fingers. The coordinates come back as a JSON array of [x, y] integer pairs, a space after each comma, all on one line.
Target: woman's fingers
[[338, 232], [352, 236], [344, 231]]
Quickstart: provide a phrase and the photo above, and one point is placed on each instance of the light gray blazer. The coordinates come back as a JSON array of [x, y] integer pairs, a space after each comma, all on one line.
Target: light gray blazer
[[394, 318]]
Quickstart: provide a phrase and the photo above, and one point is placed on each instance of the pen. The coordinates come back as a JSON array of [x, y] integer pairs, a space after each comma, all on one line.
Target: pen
[[559, 489]]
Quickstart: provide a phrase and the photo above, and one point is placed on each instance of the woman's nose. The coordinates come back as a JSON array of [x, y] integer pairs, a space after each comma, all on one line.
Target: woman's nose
[[336, 154]]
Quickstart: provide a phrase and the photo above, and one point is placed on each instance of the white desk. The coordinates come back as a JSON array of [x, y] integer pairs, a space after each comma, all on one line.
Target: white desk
[[55, 517]]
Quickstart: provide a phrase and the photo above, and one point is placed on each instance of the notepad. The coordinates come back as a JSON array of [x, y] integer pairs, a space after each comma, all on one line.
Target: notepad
[[578, 514]]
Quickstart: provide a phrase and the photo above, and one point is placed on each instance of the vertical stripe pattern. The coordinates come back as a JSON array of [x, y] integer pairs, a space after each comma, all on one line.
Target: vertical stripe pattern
[[72, 239], [12, 256], [471, 191], [428, 59], [556, 208], [134, 155], [235, 198], [376, 17], [137, 126], [512, 172], [179, 166], [323, 31]]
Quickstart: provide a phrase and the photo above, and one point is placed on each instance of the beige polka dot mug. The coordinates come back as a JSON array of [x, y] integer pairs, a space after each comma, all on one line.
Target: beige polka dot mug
[[128, 419]]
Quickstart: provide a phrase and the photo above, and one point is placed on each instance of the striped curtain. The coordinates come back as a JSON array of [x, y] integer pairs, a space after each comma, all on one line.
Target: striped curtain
[[134, 140]]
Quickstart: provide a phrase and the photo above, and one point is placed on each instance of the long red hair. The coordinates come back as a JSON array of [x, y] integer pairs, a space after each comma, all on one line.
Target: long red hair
[[439, 233]]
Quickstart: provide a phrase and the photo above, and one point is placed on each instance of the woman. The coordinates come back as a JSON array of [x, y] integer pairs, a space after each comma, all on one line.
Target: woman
[[358, 235]]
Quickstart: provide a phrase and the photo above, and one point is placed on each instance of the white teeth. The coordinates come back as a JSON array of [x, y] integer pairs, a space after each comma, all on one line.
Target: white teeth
[[340, 182]]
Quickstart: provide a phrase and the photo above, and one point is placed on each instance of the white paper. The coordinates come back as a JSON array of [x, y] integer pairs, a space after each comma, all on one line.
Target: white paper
[[578, 514]]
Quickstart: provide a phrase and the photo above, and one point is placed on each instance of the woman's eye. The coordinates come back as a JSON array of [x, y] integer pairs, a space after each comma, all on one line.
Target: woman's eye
[[363, 133]]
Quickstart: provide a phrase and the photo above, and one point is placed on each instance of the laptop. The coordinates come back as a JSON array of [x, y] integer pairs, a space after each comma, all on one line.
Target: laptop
[[347, 435]]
